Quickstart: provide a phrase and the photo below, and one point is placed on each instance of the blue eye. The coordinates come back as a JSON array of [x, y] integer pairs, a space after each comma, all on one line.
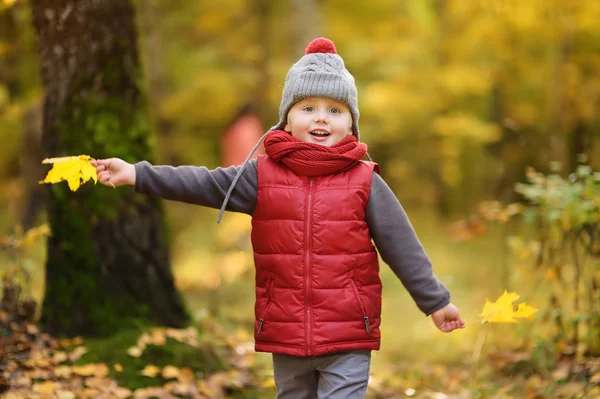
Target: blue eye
[[334, 111], [308, 108]]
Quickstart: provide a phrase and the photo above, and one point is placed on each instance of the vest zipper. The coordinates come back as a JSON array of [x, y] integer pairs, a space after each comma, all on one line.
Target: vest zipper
[[361, 304], [308, 267], [264, 313]]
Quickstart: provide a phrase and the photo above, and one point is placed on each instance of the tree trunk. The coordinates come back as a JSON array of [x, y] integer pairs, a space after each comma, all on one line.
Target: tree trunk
[[107, 262]]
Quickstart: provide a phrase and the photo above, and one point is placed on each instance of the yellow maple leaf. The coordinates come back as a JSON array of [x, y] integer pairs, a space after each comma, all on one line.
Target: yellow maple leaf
[[503, 310], [75, 170]]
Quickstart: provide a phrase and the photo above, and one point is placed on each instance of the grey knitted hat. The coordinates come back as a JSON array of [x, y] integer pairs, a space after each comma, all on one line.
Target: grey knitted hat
[[319, 73]]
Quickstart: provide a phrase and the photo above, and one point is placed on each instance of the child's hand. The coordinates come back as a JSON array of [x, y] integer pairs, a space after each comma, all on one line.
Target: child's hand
[[447, 319], [114, 172]]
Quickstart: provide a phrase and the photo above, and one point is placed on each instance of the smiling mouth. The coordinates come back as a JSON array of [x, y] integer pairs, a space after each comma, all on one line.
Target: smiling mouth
[[319, 133]]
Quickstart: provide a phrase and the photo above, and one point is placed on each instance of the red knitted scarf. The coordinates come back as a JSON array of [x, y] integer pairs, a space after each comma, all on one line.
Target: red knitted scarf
[[309, 159]]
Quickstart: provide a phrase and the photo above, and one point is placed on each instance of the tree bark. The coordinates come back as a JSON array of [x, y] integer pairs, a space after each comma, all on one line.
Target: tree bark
[[107, 263]]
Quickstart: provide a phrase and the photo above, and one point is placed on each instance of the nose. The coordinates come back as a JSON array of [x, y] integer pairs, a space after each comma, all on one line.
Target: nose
[[321, 115]]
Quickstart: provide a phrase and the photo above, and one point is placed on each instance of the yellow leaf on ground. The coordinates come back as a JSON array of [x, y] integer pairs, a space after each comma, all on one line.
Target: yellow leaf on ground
[[74, 170], [120, 392], [70, 342], [64, 394], [152, 392], [62, 372], [46, 387], [21, 382], [32, 329], [150, 371], [180, 389], [59, 357], [77, 353], [205, 389], [97, 382], [169, 372], [87, 393], [503, 310], [135, 351], [86, 370], [186, 376], [144, 340], [101, 370], [158, 337]]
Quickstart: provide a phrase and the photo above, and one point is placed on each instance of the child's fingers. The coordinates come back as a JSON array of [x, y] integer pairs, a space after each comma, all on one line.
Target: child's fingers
[[104, 177], [102, 163]]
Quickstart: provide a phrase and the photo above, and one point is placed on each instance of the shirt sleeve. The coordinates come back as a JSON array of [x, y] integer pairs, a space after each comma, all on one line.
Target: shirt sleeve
[[400, 248], [200, 185]]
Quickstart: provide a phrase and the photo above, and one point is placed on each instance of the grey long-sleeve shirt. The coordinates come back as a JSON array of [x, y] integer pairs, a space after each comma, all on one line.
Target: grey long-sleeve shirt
[[390, 228]]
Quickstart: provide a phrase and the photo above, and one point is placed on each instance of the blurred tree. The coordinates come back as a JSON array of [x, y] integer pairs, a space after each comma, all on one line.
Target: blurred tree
[[107, 262], [32, 170]]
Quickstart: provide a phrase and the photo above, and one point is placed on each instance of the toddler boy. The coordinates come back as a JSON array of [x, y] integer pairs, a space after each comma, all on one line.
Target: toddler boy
[[316, 210]]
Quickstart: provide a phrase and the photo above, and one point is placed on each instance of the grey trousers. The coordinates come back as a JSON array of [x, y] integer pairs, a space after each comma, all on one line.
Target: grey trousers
[[338, 375]]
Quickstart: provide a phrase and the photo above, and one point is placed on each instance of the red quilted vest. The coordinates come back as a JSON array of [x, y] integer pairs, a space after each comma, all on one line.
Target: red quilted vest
[[317, 273]]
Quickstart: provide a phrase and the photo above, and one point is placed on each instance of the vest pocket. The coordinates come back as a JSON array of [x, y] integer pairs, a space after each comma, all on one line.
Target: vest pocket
[[263, 314], [361, 304]]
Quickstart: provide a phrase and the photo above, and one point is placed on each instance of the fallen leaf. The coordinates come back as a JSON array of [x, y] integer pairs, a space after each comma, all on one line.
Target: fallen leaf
[[571, 389], [169, 372], [87, 393], [86, 370], [206, 390], [32, 329], [101, 370], [63, 372], [152, 392], [150, 371], [46, 387], [503, 311], [118, 367], [13, 395], [186, 376], [144, 340], [33, 363], [134, 351], [120, 392], [60, 394], [66, 342], [77, 353], [21, 382], [562, 372], [59, 357], [97, 382], [180, 389], [158, 337]]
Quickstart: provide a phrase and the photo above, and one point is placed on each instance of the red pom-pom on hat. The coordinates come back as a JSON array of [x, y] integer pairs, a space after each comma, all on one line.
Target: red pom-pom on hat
[[321, 45]]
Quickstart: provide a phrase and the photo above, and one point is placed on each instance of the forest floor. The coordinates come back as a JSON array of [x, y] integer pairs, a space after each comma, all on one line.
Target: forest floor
[[206, 361]]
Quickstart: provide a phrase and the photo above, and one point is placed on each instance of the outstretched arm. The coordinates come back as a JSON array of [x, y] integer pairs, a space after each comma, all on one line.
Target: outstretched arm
[[400, 248], [191, 184]]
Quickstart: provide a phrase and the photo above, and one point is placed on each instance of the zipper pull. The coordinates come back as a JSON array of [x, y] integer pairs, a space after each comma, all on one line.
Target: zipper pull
[[367, 323], [260, 325]]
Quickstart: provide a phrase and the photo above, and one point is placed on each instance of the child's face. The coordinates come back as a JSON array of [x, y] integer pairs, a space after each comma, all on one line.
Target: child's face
[[319, 120]]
